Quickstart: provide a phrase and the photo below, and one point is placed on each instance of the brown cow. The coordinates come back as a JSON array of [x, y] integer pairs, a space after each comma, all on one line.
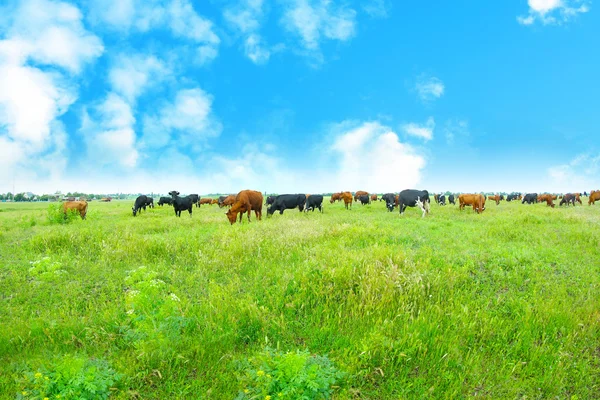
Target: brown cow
[[206, 201], [373, 197], [228, 201], [347, 197], [80, 206], [214, 201], [495, 198], [547, 198], [360, 193], [246, 201], [578, 198], [595, 195], [335, 197], [476, 200]]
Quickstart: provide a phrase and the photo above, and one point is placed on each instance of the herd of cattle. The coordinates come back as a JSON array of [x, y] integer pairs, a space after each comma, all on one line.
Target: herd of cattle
[[247, 201]]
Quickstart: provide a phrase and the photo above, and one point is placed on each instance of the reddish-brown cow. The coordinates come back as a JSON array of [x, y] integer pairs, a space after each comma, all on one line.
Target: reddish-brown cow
[[359, 193], [495, 198], [335, 197], [79, 206], [476, 200], [246, 201], [373, 197], [228, 202], [594, 196], [547, 198], [347, 197]]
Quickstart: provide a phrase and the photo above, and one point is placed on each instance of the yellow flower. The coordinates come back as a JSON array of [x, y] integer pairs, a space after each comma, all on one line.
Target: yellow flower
[[45, 398], [268, 375], [46, 378], [24, 393], [267, 397], [246, 391], [38, 374], [260, 373]]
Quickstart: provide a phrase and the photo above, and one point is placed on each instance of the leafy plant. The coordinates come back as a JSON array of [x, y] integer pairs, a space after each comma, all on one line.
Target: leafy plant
[[56, 214], [292, 375], [71, 377]]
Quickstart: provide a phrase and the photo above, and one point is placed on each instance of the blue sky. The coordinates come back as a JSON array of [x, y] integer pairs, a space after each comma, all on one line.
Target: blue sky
[[299, 95]]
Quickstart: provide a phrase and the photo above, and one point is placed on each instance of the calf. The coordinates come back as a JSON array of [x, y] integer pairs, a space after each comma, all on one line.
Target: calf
[[475, 200], [140, 203], [314, 201], [287, 201], [530, 198], [79, 206], [412, 198], [181, 203], [373, 197], [364, 199], [390, 201], [246, 201]]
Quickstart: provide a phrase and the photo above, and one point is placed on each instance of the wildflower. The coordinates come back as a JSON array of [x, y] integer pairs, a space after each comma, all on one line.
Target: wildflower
[[246, 391], [45, 398], [38, 374], [24, 393], [129, 312], [260, 373], [174, 297], [267, 397], [269, 376]]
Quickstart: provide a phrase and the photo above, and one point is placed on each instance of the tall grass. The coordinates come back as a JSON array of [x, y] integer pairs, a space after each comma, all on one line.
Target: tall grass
[[455, 305]]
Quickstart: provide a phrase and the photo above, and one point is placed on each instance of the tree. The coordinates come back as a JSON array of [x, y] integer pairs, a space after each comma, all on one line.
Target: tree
[[20, 197]]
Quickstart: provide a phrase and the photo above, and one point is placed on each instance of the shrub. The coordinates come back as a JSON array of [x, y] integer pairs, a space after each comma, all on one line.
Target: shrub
[[56, 214], [70, 377], [293, 375]]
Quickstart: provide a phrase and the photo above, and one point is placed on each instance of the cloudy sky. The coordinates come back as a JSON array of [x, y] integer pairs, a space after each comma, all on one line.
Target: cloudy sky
[[299, 95]]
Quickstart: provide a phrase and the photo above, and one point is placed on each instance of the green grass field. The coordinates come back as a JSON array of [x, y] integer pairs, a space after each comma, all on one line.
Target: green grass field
[[502, 305]]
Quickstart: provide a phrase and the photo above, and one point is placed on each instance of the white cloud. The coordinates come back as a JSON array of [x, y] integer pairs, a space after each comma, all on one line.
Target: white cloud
[[580, 174], [245, 19], [377, 8], [456, 128], [132, 74], [424, 131], [39, 33], [185, 122], [553, 11], [312, 20], [429, 88], [177, 16]]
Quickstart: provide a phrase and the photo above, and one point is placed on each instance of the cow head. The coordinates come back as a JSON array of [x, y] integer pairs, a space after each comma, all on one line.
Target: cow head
[[174, 193], [231, 216], [134, 211]]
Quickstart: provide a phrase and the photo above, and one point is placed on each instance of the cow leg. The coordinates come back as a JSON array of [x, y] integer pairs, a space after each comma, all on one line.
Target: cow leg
[[249, 212], [190, 211]]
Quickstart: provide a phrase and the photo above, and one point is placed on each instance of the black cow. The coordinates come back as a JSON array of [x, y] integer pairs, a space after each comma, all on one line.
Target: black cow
[[140, 203], [567, 198], [314, 201], [412, 198], [364, 199], [451, 199], [150, 202], [390, 201], [530, 198], [270, 200], [585, 194], [165, 200], [221, 198], [442, 199], [287, 201], [181, 203], [195, 199], [502, 197]]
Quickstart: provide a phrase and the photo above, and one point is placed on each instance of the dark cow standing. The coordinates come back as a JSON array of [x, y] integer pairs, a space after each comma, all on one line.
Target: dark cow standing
[[442, 199], [165, 200], [364, 199], [390, 201], [140, 203], [270, 200], [181, 203], [451, 199], [287, 201], [567, 199], [412, 198], [314, 201], [530, 198], [195, 199]]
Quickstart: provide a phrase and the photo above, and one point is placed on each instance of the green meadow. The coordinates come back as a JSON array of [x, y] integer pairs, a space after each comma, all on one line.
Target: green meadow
[[348, 304]]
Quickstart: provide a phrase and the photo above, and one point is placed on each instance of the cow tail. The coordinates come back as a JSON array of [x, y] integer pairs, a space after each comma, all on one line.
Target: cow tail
[[85, 211]]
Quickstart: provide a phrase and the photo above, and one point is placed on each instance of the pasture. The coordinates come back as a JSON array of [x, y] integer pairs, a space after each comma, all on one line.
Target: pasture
[[501, 305]]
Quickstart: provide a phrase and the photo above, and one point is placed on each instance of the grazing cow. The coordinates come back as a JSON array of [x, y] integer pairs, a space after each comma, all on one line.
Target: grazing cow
[[181, 203], [567, 199], [79, 206], [451, 199], [206, 201], [390, 201], [246, 201], [578, 198], [594, 196], [314, 201], [529, 198], [360, 193], [495, 198], [475, 200], [106, 199], [436, 197], [270, 200], [140, 203], [364, 199], [214, 201], [442, 199], [347, 197], [547, 198], [373, 197], [412, 198], [226, 201], [335, 197], [287, 201], [149, 202], [165, 200], [195, 199]]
